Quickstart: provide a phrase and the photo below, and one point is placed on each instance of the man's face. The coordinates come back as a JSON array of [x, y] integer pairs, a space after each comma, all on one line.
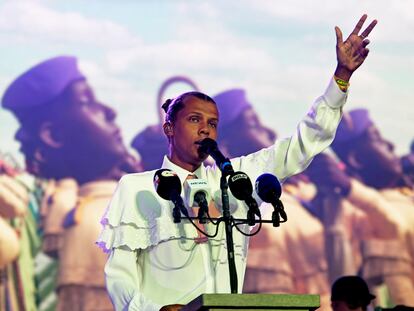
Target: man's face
[[91, 124], [196, 121], [379, 162], [84, 131]]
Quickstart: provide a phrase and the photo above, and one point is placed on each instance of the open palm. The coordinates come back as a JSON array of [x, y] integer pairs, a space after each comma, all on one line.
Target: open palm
[[352, 52]]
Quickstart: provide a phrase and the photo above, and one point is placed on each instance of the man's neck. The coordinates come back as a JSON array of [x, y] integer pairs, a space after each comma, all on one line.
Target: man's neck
[[191, 167]]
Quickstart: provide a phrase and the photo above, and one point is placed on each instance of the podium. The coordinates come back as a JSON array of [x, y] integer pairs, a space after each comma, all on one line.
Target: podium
[[259, 302]]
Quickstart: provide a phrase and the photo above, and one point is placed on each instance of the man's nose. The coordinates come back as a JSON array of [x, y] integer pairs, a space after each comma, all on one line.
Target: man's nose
[[391, 146], [204, 129], [110, 114]]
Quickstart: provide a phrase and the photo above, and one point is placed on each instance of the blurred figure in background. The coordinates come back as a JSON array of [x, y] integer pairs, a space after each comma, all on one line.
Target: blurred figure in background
[[9, 243], [13, 203], [151, 142], [350, 293], [351, 213], [408, 164], [19, 241], [240, 130], [21, 244], [71, 139], [370, 159]]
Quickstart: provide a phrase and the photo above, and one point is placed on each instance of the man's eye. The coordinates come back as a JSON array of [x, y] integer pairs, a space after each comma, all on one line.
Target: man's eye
[[194, 119], [213, 125]]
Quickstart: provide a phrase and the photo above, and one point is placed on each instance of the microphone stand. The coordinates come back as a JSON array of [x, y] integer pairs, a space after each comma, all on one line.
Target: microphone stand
[[229, 222], [228, 219]]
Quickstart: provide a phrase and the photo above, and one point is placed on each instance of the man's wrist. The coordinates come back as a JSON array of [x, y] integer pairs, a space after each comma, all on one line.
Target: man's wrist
[[342, 84], [343, 73]]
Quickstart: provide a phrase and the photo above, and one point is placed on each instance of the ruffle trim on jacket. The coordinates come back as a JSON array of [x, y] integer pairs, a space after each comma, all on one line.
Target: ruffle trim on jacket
[[140, 219], [133, 237]]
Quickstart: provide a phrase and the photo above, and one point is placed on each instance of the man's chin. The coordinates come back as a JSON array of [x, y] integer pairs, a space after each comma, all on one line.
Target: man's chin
[[202, 156]]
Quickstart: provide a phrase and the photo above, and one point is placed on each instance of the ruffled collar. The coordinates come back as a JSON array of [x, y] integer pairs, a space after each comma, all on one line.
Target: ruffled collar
[[182, 173]]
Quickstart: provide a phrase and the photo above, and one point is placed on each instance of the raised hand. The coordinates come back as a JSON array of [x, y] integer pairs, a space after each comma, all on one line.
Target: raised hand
[[352, 52]]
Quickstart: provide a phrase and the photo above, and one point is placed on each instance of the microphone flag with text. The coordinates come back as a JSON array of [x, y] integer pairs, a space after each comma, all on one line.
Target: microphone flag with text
[[241, 187], [239, 183], [198, 191], [268, 188], [168, 186]]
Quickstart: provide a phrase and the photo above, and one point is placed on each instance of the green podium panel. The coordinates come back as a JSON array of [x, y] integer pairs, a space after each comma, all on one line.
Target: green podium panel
[[221, 302]]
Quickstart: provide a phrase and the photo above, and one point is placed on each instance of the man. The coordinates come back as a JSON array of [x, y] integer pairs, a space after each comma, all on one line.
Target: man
[[350, 293], [70, 138], [157, 264], [370, 158]]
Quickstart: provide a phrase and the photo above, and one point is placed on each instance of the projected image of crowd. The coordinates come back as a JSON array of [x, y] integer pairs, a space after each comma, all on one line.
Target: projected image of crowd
[[350, 213]]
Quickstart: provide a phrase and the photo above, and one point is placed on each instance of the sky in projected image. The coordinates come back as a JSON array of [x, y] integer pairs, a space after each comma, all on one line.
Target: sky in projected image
[[281, 52]]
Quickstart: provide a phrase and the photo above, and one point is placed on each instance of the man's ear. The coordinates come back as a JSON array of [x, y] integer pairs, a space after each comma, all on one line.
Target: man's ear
[[50, 135], [168, 129]]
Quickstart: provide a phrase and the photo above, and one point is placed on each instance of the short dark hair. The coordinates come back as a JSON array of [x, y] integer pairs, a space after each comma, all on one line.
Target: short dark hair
[[172, 106], [353, 290]]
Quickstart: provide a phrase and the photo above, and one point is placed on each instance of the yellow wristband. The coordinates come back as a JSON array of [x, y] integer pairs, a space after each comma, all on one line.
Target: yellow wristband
[[342, 84]]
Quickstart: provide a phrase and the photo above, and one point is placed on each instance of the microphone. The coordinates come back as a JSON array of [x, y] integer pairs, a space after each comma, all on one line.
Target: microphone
[[268, 188], [168, 186], [209, 146], [242, 189], [198, 191]]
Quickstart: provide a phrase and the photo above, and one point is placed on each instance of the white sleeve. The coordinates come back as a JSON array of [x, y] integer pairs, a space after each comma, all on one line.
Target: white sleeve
[[122, 282], [313, 134]]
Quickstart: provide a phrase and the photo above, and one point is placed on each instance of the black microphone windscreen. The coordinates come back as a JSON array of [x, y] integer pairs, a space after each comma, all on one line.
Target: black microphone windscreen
[[207, 145], [268, 187], [240, 185], [167, 183]]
